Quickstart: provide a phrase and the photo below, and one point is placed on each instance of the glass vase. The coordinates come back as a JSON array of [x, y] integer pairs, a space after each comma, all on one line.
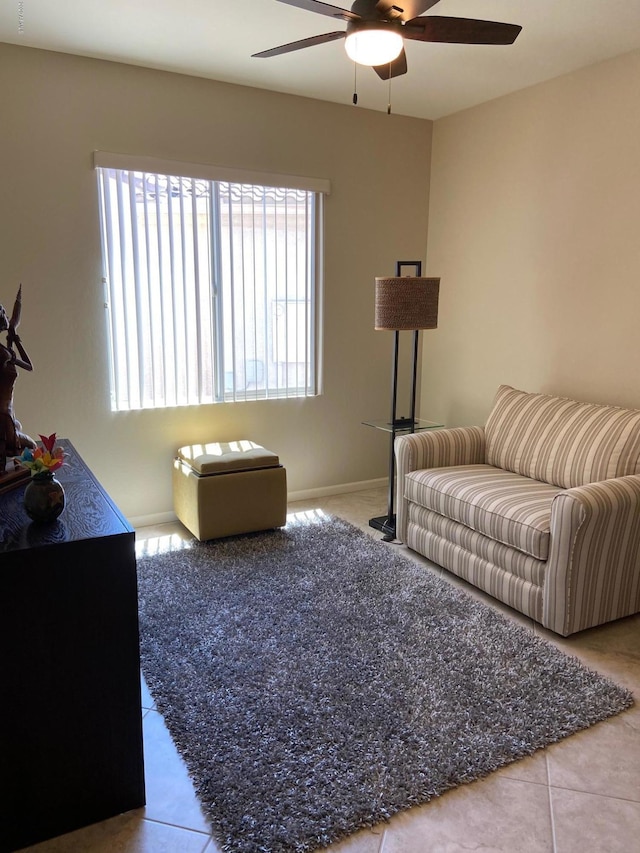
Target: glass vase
[[44, 497]]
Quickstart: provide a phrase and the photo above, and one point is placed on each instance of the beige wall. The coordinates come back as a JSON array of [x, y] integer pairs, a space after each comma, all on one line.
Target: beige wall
[[55, 110], [534, 229]]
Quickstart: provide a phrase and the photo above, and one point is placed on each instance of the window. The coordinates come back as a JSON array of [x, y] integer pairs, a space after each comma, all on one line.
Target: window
[[212, 287]]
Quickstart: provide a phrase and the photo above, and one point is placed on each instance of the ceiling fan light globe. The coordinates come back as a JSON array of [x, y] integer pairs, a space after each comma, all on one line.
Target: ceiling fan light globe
[[373, 47]]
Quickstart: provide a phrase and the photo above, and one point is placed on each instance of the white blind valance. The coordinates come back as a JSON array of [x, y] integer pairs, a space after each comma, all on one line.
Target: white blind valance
[[208, 172]]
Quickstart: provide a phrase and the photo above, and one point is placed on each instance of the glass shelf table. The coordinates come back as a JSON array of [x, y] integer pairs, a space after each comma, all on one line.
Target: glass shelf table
[[401, 426]]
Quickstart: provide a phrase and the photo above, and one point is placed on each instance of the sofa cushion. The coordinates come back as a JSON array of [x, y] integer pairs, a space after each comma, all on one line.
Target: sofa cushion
[[504, 506], [490, 552], [561, 441]]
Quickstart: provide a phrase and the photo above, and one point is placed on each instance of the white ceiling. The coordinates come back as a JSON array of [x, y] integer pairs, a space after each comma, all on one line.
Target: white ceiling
[[215, 39]]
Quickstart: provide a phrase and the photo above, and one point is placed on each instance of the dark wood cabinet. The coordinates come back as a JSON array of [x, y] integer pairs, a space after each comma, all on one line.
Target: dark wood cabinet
[[72, 736]]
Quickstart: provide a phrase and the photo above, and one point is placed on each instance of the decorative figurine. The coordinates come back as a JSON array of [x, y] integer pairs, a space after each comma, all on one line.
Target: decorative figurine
[[12, 440]]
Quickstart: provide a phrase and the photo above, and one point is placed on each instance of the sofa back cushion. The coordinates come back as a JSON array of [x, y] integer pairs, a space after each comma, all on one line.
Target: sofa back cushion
[[561, 441]]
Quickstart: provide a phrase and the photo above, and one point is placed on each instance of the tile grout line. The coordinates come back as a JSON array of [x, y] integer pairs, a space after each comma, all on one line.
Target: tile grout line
[[179, 826], [381, 845], [593, 794], [550, 796]]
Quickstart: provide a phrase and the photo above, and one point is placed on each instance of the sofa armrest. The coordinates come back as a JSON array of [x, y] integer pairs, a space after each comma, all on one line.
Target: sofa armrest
[[593, 572], [437, 448]]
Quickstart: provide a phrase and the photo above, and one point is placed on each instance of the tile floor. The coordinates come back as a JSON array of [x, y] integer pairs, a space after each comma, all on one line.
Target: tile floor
[[578, 796]]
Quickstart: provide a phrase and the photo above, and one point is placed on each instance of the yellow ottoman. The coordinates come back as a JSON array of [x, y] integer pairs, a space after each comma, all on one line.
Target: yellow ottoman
[[225, 488]]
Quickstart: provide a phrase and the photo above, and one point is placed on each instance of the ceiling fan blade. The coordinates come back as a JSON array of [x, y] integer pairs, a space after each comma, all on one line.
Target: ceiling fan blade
[[299, 45], [392, 69], [460, 30], [322, 9], [404, 10]]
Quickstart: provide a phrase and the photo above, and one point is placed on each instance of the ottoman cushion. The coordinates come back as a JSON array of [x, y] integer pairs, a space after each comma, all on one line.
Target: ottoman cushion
[[218, 457]]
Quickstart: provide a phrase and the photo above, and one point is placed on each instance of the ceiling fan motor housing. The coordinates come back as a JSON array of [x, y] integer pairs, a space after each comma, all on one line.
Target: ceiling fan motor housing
[[374, 24], [368, 10]]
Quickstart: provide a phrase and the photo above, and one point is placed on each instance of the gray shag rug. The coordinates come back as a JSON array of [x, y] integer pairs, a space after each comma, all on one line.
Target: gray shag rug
[[316, 681]]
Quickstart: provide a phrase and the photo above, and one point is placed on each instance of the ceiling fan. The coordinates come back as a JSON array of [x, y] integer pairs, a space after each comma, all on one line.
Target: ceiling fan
[[376, 29]]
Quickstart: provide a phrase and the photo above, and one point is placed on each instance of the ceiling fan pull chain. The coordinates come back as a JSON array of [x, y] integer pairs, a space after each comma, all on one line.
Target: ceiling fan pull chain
[[355, 83], [389, 99]]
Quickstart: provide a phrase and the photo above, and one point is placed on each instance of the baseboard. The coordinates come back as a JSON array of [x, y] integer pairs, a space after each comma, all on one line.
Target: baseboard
[[304, 495], [151, 520], [342, 489]]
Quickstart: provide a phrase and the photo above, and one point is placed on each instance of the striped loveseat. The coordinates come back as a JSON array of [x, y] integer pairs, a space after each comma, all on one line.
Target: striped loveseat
[[540, 508]]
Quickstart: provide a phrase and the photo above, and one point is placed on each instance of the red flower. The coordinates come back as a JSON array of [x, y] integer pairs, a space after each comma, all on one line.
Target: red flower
[[49, 442]]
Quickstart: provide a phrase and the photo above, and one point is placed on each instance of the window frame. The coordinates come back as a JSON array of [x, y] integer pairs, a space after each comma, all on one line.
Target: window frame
[[216, 177]]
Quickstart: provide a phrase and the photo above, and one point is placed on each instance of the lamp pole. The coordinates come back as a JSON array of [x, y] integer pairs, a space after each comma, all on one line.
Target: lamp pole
[[406, 424]]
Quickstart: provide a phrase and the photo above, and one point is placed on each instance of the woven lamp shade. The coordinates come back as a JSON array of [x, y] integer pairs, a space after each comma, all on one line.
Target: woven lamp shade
[[407, 304]]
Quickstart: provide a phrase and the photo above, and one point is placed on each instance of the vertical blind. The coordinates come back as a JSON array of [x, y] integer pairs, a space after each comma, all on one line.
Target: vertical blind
[[212, 288]]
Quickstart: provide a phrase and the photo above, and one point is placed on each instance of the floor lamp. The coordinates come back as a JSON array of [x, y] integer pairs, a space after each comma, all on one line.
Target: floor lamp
[[403, 303]]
